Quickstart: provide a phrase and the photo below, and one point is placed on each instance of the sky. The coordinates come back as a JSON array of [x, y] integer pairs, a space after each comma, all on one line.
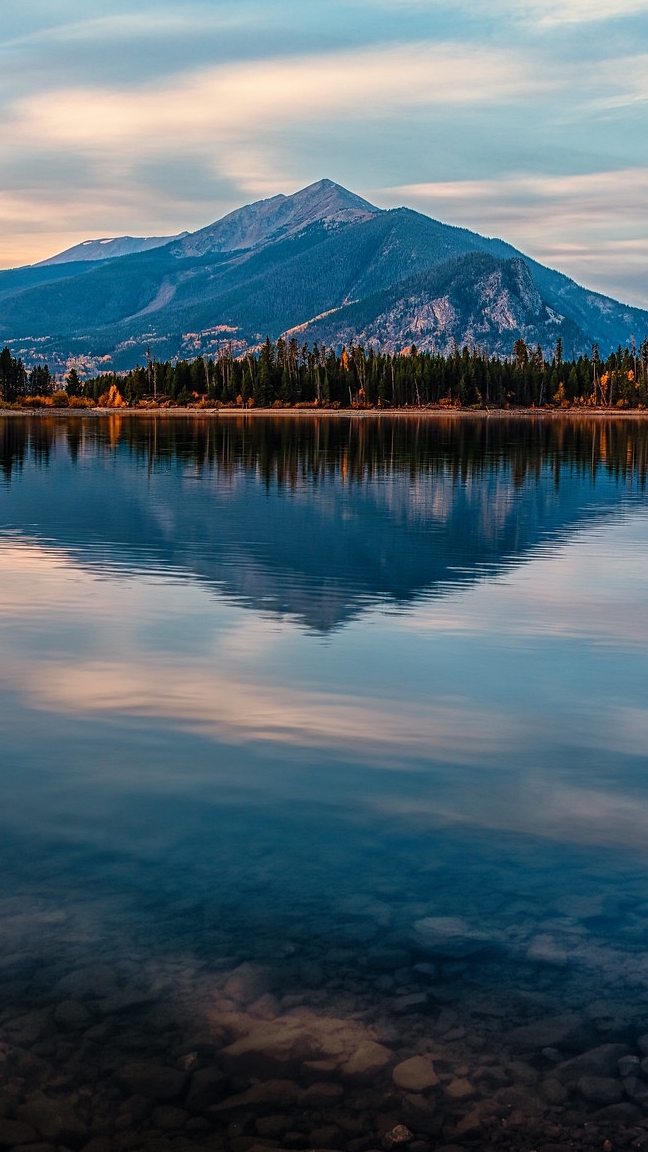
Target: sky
[[524, 119]]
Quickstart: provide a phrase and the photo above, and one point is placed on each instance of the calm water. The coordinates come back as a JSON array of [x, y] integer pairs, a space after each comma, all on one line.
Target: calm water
[[324, 747]]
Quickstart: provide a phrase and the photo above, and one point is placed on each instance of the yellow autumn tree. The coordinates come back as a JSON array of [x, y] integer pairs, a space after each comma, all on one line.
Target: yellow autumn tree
[[112, 398]]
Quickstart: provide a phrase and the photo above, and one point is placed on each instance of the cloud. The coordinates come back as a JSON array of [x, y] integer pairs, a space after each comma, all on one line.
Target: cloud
[[549, 13], [144, 24], [218, 103], [539, 13]]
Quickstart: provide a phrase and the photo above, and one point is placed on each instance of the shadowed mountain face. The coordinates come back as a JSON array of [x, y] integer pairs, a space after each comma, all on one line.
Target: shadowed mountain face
[[278, 266], [312, 519]]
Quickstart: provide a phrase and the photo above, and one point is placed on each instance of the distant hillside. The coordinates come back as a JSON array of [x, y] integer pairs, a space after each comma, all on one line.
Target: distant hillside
[[109, 248], [324, 262]]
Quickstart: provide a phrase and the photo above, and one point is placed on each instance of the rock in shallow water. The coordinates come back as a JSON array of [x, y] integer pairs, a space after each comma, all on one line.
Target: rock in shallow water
[[54, 1120], [247, 983], [459, 1089], [600, 1061], [602, 1090], [277, 1093], [285, 1046], [565, 1031], [94, 980], [416, 1074], [13, 1132], [398, 1135], [154, 1081], [628, 1066], [70, 1014], [450, 936], [637, 1091], [553, 1092], [169, 1119], [207, 1086]]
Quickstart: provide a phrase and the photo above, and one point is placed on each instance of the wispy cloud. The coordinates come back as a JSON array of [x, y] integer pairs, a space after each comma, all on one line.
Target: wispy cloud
[[541, 13], [146, 24], [228, 100], [548, 13]]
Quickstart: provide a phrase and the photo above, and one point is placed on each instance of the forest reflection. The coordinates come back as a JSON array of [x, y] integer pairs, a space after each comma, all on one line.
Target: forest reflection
[[288, 451]]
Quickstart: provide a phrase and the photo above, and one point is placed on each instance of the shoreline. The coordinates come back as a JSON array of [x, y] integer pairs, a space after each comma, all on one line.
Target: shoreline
[[332, 413]]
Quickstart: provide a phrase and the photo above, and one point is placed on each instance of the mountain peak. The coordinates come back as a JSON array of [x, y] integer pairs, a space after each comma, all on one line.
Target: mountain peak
[[277, 218]]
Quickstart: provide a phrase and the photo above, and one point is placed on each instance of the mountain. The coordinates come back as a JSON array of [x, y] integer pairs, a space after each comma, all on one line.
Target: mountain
[[323, 263], [109, 248]]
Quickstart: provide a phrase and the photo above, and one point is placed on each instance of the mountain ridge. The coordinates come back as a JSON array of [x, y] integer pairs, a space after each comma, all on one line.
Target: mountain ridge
[[317, 262], [108, 248]]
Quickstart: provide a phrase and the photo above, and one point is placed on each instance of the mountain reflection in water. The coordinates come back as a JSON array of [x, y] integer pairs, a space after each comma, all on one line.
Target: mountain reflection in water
[[314, 518], [324, 803]]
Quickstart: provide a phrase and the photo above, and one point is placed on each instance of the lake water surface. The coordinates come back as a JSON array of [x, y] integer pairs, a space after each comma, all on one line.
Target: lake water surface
[[324, 783]]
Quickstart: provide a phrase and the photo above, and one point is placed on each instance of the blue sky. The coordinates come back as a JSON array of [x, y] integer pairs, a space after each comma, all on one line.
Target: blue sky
[[525, 119]]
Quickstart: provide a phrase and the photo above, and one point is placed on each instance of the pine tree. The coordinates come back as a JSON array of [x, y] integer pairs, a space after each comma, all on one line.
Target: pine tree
[[73, 385]]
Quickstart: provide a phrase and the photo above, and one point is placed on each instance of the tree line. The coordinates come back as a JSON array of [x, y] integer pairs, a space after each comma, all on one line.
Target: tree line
[[283, 374]]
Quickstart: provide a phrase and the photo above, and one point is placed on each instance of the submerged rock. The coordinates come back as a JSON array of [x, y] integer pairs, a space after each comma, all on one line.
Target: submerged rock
[[168, 1118], [13, 1132], [565, 1031], [450, 936], [628, 1066], [92, 980], [277, 1093], [415, 1074], [601, 1090], [553, 1092], [247, 983], [618, 1114], [600, 1061], [70, 1014], [207, 1086], [419, 1114], [459, 1089], [637, 1091], [301, 1038], [367, 1058], [54, 1120], [400, 1134], [154, 1081]]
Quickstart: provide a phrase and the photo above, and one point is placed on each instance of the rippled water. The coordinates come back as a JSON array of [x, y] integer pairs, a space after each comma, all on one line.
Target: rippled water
[[324, 749]]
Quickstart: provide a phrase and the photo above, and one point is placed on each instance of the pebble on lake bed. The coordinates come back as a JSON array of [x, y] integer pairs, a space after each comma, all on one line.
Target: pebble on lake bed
[[398, 1135]]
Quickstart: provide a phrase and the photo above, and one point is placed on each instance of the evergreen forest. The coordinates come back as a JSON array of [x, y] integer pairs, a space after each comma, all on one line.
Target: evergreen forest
[[283, 374]]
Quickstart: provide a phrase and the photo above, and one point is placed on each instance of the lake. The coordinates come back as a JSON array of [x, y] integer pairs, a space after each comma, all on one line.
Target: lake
[[324, 783]]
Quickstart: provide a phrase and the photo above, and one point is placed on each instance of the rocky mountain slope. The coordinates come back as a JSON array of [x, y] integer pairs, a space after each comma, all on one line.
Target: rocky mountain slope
[[324, 264], [474, 299]]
